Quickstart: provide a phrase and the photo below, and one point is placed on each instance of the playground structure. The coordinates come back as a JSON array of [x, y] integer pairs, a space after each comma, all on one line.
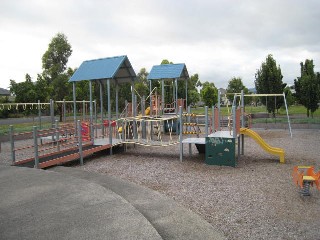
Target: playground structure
[[304, 177], [160, 126]]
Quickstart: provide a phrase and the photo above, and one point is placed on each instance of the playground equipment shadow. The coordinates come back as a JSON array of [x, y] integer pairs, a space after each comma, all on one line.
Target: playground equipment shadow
[[67, 203]]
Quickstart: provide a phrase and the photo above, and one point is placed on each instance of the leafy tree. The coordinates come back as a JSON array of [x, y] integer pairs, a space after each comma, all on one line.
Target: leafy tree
[[54, 64], [289, 96], [42, 89], [307, 87], [4, 113], [268, 80], [142, 84], [24, 91], [209, 94], [193, 94], [55, 59], [166, 61], [235, 85]]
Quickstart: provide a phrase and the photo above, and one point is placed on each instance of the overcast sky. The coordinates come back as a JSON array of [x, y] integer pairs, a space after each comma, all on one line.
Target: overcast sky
[[216, 39]]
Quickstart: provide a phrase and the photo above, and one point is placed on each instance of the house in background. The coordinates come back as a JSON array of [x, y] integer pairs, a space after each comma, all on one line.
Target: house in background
[[4, 92]]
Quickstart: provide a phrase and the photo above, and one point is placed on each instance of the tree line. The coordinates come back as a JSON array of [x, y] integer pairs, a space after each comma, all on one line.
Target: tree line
[[53, 83]]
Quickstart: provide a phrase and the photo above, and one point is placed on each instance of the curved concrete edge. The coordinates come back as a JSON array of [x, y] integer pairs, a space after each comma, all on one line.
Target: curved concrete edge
[[38, 204], [171, 220]]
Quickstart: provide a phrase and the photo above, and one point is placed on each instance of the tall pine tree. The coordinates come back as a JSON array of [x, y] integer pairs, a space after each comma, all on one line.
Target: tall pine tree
[[269, 81]]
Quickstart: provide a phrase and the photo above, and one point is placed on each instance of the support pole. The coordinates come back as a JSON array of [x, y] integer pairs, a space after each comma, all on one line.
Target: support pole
[[143, 105], [218, 110], [52, 112], [151, 109], [212, 120], [117, 99], [241, 138], [91, 112], [206, 121], [57, 135], [176, 94], [80, 142], [285, 102], [84, 110], [180, 134], [135, 121], [35, 143], [186, 92], [189, 128], [126, 109], [101, 108], [96, 117], [64, 111], [234, 134], [162, 97], [109, 114], [74, 107], [39, 114]]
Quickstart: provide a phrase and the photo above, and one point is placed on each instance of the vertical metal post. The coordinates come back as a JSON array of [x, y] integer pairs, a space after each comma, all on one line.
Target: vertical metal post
[[80, 142], [109, 114], [180, 129], [126, 108], [242, 109], [176, 94], [189, 128], [285, 103], [187, 92], [83, 110], [218, 110], [162, 97], [64, 111], [35, 143], [91, 111], [241, 138], [132, 99], [13, 151], [57, 135], [143, 127], [143, 105], [52, 112], [39, 113], [150, 98], [74, 107], [95, 117], [134, 115], [206, 121], [234, 134], [117, 99], [101, 108], [212, 120]]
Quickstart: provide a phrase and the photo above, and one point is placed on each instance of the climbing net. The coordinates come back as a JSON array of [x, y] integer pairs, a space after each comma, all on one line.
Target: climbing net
[[149, 131]]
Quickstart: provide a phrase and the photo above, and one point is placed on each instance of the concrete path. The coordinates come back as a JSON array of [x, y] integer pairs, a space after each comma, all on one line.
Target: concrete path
[[66, 203]]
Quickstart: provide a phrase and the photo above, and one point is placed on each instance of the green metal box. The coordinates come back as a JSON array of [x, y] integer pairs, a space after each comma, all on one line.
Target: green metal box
[[220, 151]]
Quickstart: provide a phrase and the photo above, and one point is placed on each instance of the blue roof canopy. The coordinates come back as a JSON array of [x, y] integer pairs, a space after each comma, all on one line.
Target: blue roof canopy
[[169, 71], [113, 68]]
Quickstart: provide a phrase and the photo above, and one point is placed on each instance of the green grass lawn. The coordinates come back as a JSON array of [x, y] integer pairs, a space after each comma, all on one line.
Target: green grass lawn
[[21, 127], [301, 110], [298, 114]]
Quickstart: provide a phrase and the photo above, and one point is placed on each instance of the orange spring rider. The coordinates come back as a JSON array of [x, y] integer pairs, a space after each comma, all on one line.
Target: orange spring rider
[[304, 177]]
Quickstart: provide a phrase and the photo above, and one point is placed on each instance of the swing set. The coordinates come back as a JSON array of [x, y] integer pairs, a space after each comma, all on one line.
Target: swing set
[[241, 95]]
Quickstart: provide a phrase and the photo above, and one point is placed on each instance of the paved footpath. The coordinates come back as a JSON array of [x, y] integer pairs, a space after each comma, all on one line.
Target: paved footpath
[[67, 203]]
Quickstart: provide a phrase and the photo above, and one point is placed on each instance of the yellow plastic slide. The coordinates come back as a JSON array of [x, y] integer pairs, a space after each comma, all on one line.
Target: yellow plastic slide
[[273, 150]]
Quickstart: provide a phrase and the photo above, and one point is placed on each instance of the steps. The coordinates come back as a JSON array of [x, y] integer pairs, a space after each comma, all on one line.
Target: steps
[[68, 203], [171, 220]]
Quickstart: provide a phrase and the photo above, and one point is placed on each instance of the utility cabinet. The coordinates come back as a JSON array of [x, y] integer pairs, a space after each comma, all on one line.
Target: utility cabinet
[[220, 149]]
